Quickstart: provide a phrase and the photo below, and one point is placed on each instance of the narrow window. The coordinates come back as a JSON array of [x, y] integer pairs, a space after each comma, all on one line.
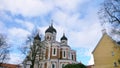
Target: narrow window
[[63, 65], [53, 65], [68, 54], [72, 57], [54, 51], [113, 53], [115, 64], [119, 61], [64, 53], [47, 37]]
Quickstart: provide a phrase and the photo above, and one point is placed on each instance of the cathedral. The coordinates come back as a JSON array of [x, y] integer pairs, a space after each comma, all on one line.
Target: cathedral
[[55, 54]]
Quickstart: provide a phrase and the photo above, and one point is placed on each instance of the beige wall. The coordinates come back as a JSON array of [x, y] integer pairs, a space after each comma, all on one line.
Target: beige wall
[[103, 53]]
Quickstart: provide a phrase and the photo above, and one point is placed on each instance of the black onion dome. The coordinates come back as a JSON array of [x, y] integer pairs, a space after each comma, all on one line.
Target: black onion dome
[[37, 37], [63, 37], [51, 29]]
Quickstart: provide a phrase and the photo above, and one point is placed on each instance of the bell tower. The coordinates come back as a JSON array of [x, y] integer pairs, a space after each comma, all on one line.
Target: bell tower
[[64, 39]]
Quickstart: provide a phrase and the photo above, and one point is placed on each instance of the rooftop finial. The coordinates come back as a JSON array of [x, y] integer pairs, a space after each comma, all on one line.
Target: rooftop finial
[[63, 34], [104, 31], [52, 22], [64, 37]]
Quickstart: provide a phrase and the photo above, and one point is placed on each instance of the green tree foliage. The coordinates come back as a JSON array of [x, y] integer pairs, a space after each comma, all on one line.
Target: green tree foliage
[[75, 66]]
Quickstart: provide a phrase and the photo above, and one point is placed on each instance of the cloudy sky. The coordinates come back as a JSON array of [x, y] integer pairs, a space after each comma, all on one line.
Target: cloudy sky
[[78, 19]]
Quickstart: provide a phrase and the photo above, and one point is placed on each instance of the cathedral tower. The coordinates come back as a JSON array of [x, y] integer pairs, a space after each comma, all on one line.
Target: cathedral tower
[[50, 34]]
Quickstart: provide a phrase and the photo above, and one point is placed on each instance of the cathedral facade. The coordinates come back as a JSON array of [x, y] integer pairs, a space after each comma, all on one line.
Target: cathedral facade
[[56, 54]]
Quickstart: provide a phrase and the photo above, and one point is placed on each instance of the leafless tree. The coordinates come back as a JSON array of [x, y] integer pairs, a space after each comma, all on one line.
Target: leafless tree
[[110, 13], [34, 50], [4, 49]]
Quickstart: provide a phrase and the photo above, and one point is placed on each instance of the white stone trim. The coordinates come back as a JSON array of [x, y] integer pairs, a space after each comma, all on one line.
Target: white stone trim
[[53, 51], [53, 64], [64, 54]]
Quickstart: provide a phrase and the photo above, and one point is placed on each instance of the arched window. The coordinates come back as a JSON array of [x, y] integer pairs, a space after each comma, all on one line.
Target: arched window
[[54, 51], [53, 65], [72, 57], [64, 53], [63, 65], [48, 38], [115, 64]]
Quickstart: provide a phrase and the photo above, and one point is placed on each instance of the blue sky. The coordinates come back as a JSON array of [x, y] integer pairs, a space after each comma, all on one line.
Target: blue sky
[[76, 18]]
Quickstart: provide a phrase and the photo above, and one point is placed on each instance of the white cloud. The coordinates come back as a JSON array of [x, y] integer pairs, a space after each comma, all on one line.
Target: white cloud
[[40, 7], [86, 37], [17, 36], [69, 6], [4, 16], [66, 20], [91, 61], [27, 7], [18, 32], [15, 58], [28, 25], [80, 31], [3, 29]]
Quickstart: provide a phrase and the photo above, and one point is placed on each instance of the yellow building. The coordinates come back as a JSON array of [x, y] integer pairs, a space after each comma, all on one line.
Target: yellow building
[[107, 53]]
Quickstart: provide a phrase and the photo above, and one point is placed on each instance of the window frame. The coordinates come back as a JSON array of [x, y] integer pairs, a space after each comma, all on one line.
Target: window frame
[[64, 53], [54, 51], [53, 64]]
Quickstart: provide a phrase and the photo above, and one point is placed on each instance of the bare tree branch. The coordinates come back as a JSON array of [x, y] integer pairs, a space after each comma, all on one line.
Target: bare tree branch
[[4, 49], [110, 13]]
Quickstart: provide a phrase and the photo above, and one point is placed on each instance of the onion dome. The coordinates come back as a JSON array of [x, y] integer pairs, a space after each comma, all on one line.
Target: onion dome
[[51, 29], [37, 37], [63, 37]]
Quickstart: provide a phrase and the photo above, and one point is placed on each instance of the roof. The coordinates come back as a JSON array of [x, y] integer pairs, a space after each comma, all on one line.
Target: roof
[[65, 46], [9, 65], [105, 34], [90, 66], [37, 37], [51, 29]]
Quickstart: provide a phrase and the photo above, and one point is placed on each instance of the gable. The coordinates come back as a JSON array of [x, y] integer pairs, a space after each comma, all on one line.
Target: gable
[[105, 40]]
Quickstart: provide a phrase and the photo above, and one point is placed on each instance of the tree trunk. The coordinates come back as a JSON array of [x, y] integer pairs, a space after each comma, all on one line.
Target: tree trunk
[[32, 63]]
